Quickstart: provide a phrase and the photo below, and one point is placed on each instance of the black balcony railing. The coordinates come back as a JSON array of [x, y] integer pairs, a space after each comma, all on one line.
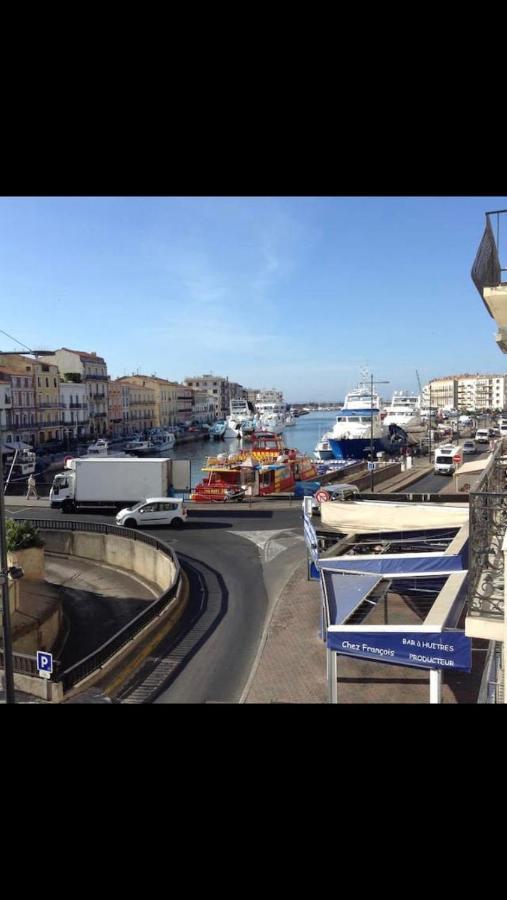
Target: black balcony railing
[[488, 524], [76, 405], [98, 396]]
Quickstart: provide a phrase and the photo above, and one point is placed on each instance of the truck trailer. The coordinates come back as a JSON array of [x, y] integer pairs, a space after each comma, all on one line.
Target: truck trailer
[[111, 482]]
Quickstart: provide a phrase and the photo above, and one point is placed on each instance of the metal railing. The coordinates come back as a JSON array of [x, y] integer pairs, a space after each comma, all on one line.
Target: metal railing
[[84, 667], [488, 524]]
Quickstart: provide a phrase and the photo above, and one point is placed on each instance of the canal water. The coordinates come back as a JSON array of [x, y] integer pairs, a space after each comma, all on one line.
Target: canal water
[[302, 436]]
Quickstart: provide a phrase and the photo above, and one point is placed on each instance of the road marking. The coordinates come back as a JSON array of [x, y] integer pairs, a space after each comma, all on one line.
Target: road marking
[[271, 543]]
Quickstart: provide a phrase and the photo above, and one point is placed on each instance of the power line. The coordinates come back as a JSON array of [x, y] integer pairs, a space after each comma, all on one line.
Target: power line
[[16, 341]]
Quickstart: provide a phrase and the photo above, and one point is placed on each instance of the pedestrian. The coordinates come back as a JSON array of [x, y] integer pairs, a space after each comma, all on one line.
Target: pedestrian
[[32, 488]]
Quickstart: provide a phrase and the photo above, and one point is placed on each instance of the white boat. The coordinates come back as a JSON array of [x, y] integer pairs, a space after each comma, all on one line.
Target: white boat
[[241, 411], [359, 428], [142, 448], [100, 446], [271, 411], [163, 440], [323, 449], [405, 411]]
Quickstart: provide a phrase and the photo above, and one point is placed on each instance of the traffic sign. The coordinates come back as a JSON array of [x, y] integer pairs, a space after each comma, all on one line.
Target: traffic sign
[[372, 466], [44, 663], [322, 496]]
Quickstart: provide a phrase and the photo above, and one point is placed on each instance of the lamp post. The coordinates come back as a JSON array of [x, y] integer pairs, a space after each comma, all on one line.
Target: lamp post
[[372, 487], [429, 430], [6, 613]]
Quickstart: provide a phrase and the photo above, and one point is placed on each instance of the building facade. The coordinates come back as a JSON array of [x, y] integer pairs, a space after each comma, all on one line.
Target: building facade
[[74, 401], [467, 392], [37, 408], [165, 396], [138, 405], [91, 370], [220, 388]]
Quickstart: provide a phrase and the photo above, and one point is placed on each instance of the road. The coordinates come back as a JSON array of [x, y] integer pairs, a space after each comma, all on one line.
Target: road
[[237, 561]]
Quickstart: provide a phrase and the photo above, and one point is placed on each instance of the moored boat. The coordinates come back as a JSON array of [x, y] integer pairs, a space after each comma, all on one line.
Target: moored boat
[[267, 467]]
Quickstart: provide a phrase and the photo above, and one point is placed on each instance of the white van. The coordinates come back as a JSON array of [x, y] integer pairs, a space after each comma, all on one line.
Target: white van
[[447, 458], [482, 436]]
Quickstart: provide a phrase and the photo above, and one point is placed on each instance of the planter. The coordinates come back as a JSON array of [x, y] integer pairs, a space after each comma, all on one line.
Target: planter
[[31, 561]]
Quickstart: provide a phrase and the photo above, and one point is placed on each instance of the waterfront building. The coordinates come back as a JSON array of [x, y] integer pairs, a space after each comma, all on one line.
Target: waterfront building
[[203, 406], [220, 388], [137, 405], [91, 370], [37, 409], [6, 411], [74, 404], [165, 396], [467, 391]]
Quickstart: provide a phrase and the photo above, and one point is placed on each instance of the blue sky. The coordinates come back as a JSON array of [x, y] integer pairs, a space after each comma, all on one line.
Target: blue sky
[[297, 293]]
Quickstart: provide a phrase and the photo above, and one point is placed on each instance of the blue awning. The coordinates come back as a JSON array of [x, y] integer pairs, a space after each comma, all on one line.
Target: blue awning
[[345, 593], [391, 566]]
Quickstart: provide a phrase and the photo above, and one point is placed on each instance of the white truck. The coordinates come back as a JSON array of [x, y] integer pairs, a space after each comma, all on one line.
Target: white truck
[[110, 481], [447, 459]]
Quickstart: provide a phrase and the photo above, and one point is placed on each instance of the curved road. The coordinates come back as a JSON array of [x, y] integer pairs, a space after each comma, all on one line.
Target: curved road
[[237, 561]]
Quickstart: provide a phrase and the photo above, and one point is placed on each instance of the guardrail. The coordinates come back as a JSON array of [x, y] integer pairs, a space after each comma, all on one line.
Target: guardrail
[[488, 524], [74, 674]]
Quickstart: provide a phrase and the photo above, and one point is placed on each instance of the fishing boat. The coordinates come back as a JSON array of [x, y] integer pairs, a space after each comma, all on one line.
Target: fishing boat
[[267, 467]]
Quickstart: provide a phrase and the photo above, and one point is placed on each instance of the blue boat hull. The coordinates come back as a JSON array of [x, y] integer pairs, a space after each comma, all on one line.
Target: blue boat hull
[[359, 448], [355, 448]]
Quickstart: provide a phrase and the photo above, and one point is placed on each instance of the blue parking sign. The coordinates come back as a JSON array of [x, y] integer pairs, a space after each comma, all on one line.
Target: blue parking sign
[[44, 663]]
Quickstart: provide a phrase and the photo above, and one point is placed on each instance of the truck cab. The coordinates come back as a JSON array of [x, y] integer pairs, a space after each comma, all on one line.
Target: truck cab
[[447, 458]]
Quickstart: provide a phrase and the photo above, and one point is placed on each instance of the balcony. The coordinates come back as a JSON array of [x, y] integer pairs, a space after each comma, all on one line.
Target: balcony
[[76, 405], [98, 396], [487, 274], [95, 378], [488, 550]]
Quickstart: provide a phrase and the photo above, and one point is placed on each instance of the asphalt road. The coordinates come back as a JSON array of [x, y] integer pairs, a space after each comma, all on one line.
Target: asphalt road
[[237, 561]]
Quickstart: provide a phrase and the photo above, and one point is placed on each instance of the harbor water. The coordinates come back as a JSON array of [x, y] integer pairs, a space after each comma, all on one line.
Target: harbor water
[[303, 436]]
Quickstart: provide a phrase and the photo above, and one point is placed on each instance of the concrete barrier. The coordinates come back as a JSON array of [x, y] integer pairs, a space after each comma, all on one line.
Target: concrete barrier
[[144, 560]]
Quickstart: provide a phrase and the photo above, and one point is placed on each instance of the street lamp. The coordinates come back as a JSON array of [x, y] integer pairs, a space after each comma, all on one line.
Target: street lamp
[[6, 613], [371, 432], [429, 430]]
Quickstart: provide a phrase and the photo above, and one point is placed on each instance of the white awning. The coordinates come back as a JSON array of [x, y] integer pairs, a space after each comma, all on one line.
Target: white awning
[[476, 465], [374, 515]]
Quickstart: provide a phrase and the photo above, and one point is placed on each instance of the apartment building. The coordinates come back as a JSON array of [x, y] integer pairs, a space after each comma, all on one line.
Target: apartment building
[[138, 405], [74, 403], [165, 394], [117, 401], [203, 406], [6, 433], [220, 388], [467, 392], [37, 408], [91, 370]]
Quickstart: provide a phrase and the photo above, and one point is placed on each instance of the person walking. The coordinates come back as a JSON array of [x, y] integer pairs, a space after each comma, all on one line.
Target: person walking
[[32, 488]]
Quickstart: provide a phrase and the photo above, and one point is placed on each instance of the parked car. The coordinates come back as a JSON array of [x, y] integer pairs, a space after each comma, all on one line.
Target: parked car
[[334, 492], [469, 447], [153, 511]]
